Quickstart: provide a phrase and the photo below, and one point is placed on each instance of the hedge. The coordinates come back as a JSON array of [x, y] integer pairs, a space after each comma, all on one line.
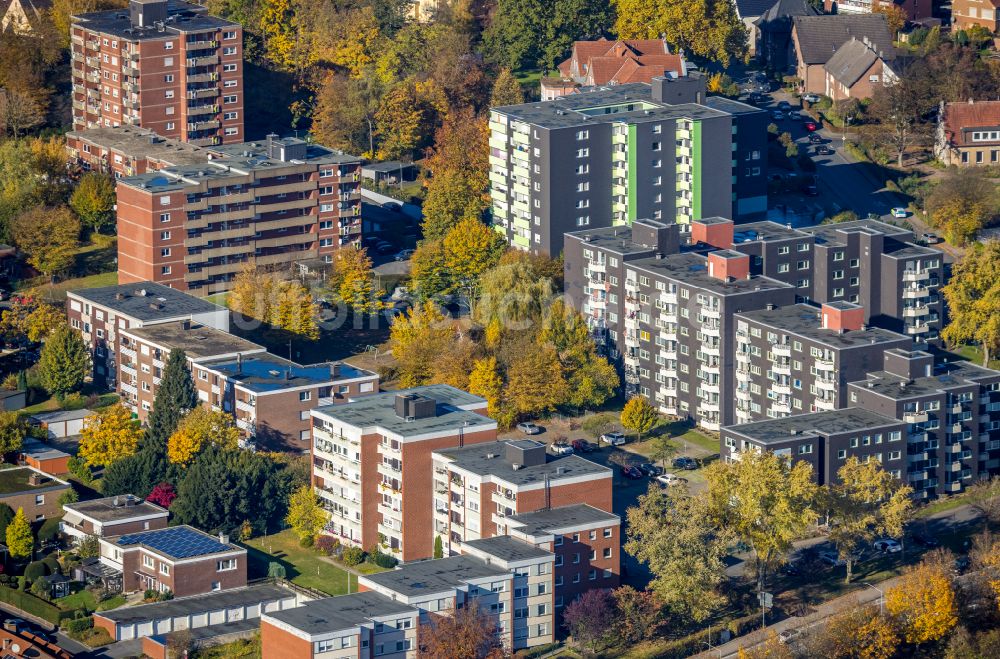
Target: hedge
[[33, 605], [78, 625]]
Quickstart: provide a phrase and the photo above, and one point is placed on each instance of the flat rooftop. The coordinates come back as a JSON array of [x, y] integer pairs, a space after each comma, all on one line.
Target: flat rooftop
[[803, 320], [836, 234], [339, 613], [16, 479], [488, 459], [553, 520], [182, 18], [692, 270], [764, 231], [176, 542], [37, 450], [185, 606], [630, 103], [800, 426], [454, 411], [507, 549], [115, 509], [231, 160], [197, 341], [60, 416], [945, 377], [616, 239], [146, 301], [141, 143], [434, 576], [267, 373]]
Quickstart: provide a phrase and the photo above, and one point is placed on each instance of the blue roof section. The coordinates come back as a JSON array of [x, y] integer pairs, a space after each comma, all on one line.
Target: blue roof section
[[175, 542], [264, 373]]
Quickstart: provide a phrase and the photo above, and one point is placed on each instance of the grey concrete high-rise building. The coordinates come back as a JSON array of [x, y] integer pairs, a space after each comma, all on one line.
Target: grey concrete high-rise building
[[611, 155]]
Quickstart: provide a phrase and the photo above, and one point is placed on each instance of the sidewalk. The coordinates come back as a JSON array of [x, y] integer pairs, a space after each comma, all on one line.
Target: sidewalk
[[861, 597]]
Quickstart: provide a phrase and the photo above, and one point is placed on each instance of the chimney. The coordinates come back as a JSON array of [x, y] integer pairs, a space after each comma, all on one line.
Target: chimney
[[335, 370], [727, 263], [186, 324], [224, 538], [842, 316], [239, 363], [715, 231]]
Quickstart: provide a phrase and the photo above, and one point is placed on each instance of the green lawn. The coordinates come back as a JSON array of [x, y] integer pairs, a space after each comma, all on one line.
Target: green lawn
[[81, 599], [974, 355], [51, 404], [303, 567], [218, 298], [94, 267]]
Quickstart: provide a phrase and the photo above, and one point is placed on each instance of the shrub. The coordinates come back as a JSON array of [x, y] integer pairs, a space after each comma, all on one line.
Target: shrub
[[382, 560], [52, 563], [49, 530], [276, 570], [34, 570], [78, 625], [327, 545], [79, 468], [353, 556], [74, 401], [40, 588], [307, 541]]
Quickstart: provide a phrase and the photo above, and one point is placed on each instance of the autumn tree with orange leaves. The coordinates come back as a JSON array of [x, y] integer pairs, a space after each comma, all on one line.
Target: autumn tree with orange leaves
[[923, 602], [468, 634]]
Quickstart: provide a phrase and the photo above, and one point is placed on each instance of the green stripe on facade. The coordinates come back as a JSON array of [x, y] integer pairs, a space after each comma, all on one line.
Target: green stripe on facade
[[696, 170], [633, 168]]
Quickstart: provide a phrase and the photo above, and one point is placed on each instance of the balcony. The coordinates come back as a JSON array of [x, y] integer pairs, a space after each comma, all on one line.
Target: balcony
[[781, 350], [245, 406], [826, 385], [202, 93], [209, 124], [202, 77], [781, 389], [915, 292], [202, 109], [825, 404], [782, 368], [915, 311], [916, 275], [922, 328], [207, 60], [825, 365], [915, 417]]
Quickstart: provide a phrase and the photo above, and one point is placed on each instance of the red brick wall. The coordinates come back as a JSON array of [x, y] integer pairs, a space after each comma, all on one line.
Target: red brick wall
[[596, 493], [105, 624], [141, 236], [418, 491], [195, 578], [278, 644], [568, 570]]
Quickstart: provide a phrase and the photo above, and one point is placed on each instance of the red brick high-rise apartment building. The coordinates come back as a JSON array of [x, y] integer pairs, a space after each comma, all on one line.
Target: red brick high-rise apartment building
[[275, 202], [166, 66]]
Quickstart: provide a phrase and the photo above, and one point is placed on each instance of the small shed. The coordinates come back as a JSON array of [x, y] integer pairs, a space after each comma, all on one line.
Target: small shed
[[12, 400], [64, 423], [391, 172], [59, 585], [43, 457]]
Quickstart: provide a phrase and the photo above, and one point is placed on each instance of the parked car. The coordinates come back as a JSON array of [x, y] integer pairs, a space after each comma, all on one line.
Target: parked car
[[777, 115], [811, 126], [824, 150], [784, 106], [887, 546], [385, 249], [789, 636], [670, 479], [811, 98], [899, 212], [815, 138], [832, 558], [650, 469], [631, 472], [613, 438], [755, 98], [583, 446], [404, 255], [561, 448], [931, 238], [528, 428], [685, 462]]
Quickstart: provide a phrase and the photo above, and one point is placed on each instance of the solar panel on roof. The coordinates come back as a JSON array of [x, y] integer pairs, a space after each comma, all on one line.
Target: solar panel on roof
[[178, 542]]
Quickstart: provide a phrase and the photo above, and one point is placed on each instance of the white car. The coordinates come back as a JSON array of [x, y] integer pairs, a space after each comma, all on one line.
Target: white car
[[670, 479], [789, 636], [561, 448], [811, 98], [899, 212], [832, 558], [887, 545], [613, 438]]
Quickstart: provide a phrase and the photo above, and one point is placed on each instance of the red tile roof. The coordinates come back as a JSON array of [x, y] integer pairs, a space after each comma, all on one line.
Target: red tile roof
[[958, 118], [637, 60]]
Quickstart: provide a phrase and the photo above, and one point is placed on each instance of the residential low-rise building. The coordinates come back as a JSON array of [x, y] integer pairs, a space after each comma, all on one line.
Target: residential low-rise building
[[100, 314], [179, 559], [36, 492], [968, 133], [817, 38], [143, 352], [913, 10], [478, 487], [602, 62], [967, 13], [111, 516], [44, 457], [799, 358], [128, 150], [272, 397], [508, 580], [373, 459], [856, 71]]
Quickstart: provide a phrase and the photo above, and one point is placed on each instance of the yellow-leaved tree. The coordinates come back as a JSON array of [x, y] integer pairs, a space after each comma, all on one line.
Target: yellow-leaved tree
[[485, 380], [18, 536], [923, 602], [305, 515], [418, 339], [353, 280], [199, 428], [109, 436], [639, 416]]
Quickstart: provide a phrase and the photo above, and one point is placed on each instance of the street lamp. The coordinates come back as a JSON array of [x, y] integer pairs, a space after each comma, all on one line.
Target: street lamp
[[881, 598]]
